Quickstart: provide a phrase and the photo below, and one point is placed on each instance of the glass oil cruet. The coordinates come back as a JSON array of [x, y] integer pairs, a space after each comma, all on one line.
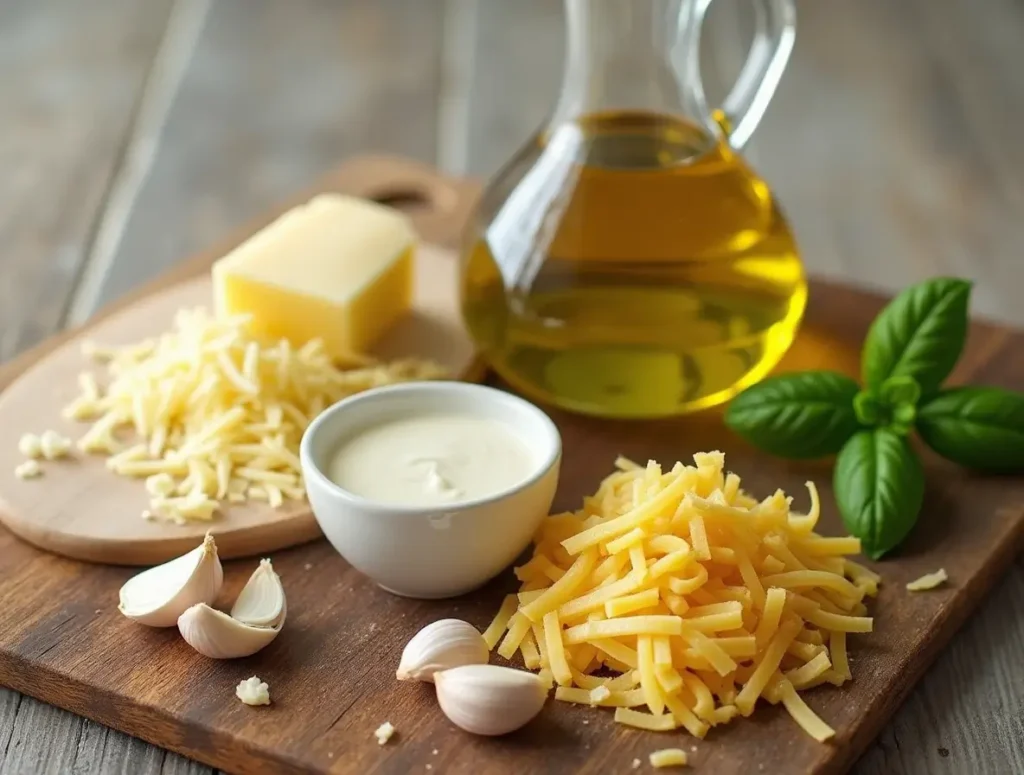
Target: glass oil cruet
[[627, 262]]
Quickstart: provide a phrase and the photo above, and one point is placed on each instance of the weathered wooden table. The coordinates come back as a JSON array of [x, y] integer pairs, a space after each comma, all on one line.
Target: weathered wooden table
[[132, 134]]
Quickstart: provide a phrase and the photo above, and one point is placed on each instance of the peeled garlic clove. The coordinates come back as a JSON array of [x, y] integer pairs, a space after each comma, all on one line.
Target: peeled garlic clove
[[216, 635], [261, 602], [255, 620], [158, 596], [489, 700], [441, 645]]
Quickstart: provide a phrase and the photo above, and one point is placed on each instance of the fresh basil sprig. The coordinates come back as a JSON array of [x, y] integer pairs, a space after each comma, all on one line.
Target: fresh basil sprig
[[910, 349]]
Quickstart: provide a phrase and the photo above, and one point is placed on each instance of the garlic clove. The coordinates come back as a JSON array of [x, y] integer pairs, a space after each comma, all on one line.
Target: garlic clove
[[256, 618], [158, 596], [441, 645], [216, 635], [261, 603], [488, 699]]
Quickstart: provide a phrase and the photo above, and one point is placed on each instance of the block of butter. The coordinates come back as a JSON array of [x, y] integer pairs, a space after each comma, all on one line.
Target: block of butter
[[338, 267]]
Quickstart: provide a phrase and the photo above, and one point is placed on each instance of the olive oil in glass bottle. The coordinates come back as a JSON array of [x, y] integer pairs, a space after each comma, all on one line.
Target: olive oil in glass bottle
[[628, 262]]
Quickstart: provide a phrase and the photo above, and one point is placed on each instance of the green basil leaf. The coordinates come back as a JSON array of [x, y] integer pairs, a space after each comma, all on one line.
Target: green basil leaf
[[879, 486], [803, 415], [978, 427], [920, 334]]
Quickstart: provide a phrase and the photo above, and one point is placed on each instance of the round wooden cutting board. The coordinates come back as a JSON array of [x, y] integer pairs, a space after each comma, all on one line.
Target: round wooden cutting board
[[80, 509]]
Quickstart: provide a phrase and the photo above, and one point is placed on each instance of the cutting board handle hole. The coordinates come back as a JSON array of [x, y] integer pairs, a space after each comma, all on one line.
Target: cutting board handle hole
[[418, 198]]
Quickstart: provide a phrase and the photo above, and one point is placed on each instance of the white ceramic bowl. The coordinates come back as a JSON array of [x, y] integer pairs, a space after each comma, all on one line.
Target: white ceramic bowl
[[431, 551]]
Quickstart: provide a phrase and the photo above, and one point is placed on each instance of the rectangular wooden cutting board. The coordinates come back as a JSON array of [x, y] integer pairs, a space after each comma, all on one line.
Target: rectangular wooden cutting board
[[332, 670]]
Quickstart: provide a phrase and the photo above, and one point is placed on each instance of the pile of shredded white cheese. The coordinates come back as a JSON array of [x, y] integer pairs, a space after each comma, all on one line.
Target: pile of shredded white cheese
[[206, 413]]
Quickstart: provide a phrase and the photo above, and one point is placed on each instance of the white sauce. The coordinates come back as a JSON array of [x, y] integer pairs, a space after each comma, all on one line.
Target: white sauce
[[433, 459]]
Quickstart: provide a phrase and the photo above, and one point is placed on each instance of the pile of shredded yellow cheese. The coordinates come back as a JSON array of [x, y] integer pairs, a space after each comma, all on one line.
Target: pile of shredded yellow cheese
[[212, 414], [677, 592]]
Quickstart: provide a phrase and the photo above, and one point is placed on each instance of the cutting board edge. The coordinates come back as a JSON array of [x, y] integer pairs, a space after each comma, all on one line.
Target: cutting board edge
[[948, 623], [110, 708], [301, 529]]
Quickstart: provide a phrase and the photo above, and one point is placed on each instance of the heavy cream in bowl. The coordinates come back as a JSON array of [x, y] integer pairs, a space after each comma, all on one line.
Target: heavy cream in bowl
[[431, 488], [432, 459]]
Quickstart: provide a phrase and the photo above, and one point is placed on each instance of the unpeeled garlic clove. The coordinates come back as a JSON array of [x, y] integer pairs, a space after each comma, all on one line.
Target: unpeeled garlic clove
[[255, 620], [158, 596], [216, 635], [488, 699], [441, 645], [261, 603]]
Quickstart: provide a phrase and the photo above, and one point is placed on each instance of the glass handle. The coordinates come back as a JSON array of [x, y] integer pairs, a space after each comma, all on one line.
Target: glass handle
[[769, 52]]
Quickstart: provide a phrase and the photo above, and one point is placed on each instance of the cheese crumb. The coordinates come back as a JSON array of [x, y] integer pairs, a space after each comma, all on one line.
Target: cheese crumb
[[636, 764], [53, 445], [928, 581], [668, 757], [599, 693], [160, 484], [253, 691], [30, 469], [384, 733], [29, 446]]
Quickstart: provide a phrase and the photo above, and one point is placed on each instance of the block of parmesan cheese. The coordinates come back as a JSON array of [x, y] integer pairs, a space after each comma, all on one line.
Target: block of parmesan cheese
[[337, 267]]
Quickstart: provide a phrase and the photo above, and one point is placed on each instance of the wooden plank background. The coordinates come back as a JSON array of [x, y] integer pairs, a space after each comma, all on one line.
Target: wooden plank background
[[132, 134]]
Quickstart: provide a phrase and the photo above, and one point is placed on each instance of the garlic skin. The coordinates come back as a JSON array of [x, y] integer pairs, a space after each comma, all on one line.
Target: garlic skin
[[158, 596], [256, 619], [488, 699], [441, 645]]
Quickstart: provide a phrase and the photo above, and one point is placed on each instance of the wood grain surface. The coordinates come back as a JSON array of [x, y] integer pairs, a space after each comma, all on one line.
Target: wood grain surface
[[123, 120], [60, 634], [75, 74]]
